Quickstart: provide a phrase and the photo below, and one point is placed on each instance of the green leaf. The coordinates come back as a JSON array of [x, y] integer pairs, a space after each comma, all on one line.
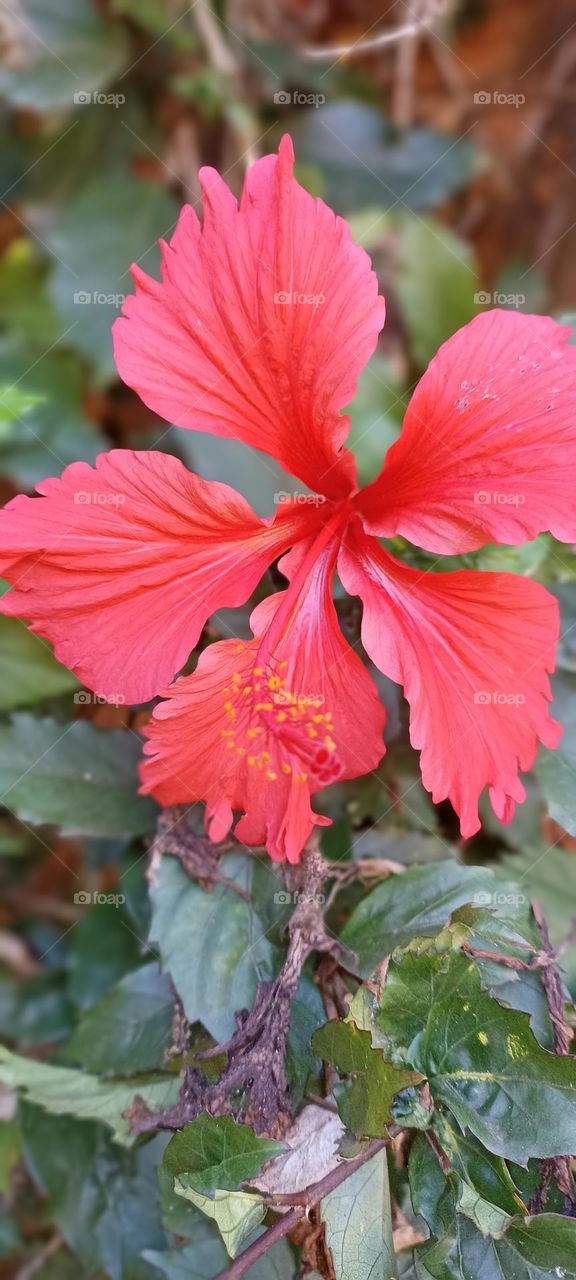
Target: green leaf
[[207, 1256], [212, 944], [102, 1198], [235, 1213], [482, 1061], [25, 308], [467, 1254], [361, 163], [62, 1091], [556, 770], [30, 672], [549, 876], [436, 283], [81, 778], [55, 49], [120, 218], [365, 1106], [431, 1191], [215, 1153], [358, 1221], [54, 429], [487, 1174], [414, 904], [102, 949], [548, 1240], [10, 1143], [129, 1029]]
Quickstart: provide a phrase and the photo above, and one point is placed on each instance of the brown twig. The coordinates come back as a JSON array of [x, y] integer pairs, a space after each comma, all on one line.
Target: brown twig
[[556, 1167], [256, 1052], [199, 856], [303, 1202]]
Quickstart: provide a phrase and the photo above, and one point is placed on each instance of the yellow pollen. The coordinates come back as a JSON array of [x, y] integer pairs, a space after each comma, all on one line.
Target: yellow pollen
[[312, 733], [230, 745], [282, 665], [240, 648], [226, 733], [317, 719], [266, 756], [281, 716], [241, 751], [286, 768], [301, 777], [272, 776], [258, 671], [251, 759], [263, 706], [273, 682], [246, 690], [330, 743]]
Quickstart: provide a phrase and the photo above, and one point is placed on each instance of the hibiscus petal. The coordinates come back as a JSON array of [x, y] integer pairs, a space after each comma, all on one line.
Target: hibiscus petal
[[262, 725], [261, 324], [488, 447], [472, 651], [119, 565]]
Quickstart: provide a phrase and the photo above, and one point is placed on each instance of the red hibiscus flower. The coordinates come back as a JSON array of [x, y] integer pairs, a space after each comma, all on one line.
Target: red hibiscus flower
[[262, 322]]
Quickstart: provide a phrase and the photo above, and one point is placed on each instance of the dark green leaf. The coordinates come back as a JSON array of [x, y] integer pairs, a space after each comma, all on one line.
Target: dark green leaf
[[55, 430], [128, 1030], [56, 49], [215, 1153], [212, 944], [103, 1198], [74, 775], [120, 218], [482, 1060], [414, 904], [30, 671]]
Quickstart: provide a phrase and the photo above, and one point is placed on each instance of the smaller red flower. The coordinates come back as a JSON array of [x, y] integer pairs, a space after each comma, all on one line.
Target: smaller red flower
[[264, 317]]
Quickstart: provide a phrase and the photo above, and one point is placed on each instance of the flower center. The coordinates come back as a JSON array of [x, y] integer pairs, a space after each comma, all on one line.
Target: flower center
[[278, 730]]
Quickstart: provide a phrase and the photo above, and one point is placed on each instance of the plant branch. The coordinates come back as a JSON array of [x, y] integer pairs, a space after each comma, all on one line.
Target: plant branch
[[558, 1168], [306, 1201]]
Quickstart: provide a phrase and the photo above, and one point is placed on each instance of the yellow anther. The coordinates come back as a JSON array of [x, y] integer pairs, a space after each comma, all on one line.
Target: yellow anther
[[251, 759], [273, 682], [258, 671], [330, 743], [271, 776], [281, 716], [286, 768], [240, 648], [230, 745], [301, 777], [282, 665]]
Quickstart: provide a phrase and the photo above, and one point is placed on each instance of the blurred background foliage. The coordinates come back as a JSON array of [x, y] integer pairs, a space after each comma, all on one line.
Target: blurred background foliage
[[453, 155]]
